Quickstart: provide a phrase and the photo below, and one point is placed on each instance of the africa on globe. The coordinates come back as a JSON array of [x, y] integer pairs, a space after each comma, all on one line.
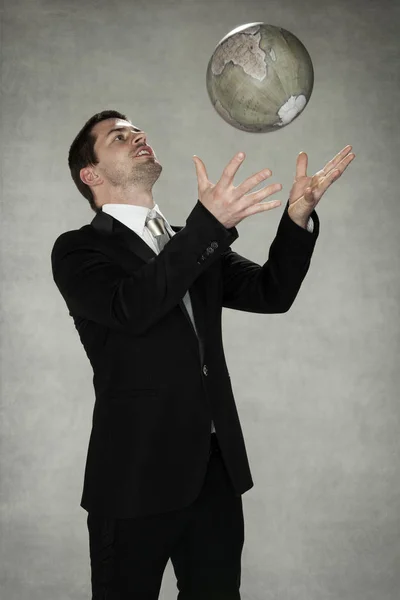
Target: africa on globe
[[260, 78]]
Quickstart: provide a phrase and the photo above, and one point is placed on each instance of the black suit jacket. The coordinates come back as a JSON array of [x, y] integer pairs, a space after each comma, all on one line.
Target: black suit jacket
[[157, 385]]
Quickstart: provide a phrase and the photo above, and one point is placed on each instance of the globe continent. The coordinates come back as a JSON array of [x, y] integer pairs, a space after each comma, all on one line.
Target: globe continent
[[260, 78]]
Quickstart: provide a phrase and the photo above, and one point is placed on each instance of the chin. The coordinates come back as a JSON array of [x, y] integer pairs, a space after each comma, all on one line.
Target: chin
[[148, 173]]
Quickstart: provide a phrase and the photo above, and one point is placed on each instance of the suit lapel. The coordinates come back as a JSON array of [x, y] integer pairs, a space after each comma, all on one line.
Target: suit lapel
[[108, 226]]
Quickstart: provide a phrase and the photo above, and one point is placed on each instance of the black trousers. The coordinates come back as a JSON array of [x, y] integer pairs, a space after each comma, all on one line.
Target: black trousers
[[204, 542]]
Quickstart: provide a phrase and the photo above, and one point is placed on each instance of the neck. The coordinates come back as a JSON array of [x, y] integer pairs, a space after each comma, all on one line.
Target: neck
[[136, 197]]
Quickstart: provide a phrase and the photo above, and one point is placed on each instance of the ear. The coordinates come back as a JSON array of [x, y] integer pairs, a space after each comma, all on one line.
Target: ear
[[90, 177]]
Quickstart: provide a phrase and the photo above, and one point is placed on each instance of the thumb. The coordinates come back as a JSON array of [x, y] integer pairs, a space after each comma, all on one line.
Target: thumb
[[201, 172]]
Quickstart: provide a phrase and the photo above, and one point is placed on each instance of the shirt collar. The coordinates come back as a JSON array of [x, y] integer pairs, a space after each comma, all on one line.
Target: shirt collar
[[131, 215]]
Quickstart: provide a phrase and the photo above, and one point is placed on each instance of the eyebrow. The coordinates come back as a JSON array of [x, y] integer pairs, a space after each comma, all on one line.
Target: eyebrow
[[122, 129]]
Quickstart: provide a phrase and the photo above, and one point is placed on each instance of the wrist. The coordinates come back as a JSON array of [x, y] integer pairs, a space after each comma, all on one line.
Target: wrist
[[300, 222]]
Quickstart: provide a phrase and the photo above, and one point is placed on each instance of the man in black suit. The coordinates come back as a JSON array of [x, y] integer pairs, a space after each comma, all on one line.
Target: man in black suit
[[167, 463]]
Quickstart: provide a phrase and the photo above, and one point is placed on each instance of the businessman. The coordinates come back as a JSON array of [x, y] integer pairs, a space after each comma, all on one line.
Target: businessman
[[167, 464]]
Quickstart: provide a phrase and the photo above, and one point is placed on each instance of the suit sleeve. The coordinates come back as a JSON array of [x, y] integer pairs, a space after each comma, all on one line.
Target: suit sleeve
[[273, 287], [96, 288]]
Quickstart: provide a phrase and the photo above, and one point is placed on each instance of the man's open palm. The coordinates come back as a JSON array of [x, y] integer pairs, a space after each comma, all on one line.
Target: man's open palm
[[308, 191]]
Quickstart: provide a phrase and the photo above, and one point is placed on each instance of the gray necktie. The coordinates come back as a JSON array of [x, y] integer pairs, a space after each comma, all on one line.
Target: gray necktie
[[156, 226]]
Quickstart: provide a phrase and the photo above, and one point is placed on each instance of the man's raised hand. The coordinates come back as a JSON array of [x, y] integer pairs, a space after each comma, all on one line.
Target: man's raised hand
[[230, 204]]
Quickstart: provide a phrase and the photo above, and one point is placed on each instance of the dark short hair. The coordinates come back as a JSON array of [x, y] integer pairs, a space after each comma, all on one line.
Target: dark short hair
[[81, 153]]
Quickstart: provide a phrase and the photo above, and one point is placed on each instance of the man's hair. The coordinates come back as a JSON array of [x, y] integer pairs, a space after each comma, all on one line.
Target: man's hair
[[82, 154]]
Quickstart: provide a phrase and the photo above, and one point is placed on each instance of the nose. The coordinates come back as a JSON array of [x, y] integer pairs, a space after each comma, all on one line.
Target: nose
[[140, 137]]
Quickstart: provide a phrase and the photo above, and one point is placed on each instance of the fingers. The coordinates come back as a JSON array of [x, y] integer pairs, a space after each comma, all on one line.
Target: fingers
[[261, 207], [201, 172], [337, 170], [302, 162], [260, 195], [344, 163], [248, 184], [230, 171], [251, 182], [340, 156], [301, 165], [332, 176]]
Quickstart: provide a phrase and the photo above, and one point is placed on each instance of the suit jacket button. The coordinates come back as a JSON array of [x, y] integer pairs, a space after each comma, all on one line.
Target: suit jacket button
[[205, 370], [214, 245]]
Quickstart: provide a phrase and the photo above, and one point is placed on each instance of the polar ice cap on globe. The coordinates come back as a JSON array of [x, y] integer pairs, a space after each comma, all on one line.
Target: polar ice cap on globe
[[260, 78]]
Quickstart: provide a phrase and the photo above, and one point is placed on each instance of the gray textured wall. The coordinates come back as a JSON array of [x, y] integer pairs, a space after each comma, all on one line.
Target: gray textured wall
[[317, 388]]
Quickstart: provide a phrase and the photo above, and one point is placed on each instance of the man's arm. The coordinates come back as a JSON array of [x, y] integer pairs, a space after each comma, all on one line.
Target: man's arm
[[273, 287], [96, 288]]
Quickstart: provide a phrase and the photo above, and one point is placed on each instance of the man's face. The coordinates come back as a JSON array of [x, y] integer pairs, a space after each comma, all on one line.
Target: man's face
[[117, 145]]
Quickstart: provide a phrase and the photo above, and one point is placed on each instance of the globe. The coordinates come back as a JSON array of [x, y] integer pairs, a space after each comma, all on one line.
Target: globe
[[259, 78]]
